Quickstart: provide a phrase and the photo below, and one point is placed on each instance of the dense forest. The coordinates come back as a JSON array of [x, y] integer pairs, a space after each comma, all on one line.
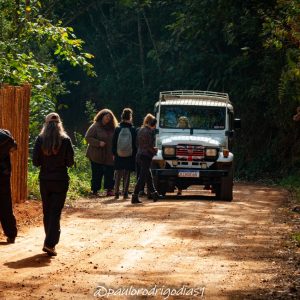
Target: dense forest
[[81, 56]]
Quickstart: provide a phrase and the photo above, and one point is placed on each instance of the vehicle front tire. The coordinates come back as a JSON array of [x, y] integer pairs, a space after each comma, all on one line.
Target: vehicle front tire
[[224, 190], [160, 186]]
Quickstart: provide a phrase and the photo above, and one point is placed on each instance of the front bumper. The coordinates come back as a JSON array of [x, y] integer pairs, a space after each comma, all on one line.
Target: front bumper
[[202, 173]]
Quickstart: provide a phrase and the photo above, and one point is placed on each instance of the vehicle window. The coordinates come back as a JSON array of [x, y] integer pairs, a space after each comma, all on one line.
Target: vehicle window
[[198, 117]]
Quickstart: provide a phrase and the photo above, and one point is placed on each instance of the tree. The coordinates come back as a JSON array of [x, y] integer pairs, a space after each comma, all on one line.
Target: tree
[[30, 47], [249, 49]]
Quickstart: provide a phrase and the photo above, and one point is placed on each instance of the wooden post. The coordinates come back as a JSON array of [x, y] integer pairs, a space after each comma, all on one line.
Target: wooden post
[[14, 116]]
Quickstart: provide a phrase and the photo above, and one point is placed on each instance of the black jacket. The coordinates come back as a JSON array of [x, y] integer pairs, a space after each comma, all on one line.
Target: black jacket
[[124, 163], [7, 142], [54, 167], [145, 142]]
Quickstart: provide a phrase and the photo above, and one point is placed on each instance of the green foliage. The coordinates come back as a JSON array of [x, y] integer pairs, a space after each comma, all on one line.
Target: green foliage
[[296, 238], [82, 163], [30, 48], [33, 182], [249, 49], [292, 183], [281, 29], [90, 110], [80, 174]]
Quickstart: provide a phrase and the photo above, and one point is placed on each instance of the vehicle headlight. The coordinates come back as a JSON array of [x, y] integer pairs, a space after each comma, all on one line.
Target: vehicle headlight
[[169, 151], [211, 152]]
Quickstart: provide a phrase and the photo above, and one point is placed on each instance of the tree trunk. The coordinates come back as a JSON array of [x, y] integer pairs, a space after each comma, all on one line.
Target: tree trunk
[[152, 40], [141, 48]]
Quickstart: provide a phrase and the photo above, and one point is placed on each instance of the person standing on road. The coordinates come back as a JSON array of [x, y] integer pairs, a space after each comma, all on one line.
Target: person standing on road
[[183, 123], [142, 192], [145, 153], [99, 137], [53, 153], [7, 218], [124, 151]]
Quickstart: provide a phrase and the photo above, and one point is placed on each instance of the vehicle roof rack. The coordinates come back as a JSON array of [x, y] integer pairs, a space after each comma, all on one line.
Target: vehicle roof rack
[[193, 94]]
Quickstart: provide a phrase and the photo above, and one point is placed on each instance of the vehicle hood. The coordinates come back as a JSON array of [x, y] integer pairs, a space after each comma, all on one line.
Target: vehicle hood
[[215, 141]]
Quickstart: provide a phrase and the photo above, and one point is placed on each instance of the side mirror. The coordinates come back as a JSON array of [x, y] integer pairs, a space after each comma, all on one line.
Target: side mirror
[[229, 133], [237, 123]]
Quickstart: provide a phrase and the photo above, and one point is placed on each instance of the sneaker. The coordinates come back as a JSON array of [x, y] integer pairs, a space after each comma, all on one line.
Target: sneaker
[[109, 193], [125, 196], [10, 240], [50, 251]]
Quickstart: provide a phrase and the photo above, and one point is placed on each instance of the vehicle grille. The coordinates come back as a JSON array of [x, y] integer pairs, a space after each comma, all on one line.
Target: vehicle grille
[[189, 152]]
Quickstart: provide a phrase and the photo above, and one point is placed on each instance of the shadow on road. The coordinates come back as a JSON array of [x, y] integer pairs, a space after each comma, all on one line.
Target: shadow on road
[[36, 261]]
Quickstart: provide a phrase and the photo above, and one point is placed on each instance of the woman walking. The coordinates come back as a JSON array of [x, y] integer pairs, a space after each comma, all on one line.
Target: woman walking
[[145, 153], [53, 153], [124, 151], [99, 137], [7, 218]]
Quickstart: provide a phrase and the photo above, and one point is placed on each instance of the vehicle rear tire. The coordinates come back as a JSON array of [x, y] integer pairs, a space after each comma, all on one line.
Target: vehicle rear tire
[[224, 189]]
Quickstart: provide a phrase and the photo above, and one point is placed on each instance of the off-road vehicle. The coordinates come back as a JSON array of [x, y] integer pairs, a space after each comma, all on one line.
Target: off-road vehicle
[[194, 137]]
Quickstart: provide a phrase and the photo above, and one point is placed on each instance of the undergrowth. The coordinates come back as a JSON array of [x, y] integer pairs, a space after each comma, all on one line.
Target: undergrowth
[[292, 183]]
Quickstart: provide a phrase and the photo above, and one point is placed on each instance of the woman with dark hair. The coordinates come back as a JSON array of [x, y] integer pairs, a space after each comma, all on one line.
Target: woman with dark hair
[[53, 153], [124, 151], [99, 137], [145, 153]]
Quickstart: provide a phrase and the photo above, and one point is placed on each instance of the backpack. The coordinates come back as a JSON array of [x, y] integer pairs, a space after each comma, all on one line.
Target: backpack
[[124, 143], [6, 143]]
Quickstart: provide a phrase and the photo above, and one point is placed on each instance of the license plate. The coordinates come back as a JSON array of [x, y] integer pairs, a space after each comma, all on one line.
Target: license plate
[[189, 174]]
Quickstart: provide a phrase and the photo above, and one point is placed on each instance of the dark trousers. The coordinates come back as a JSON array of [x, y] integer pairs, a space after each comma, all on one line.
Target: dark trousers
[[145, 175], [7, 218], [98, 172], [53, 194], [119, 174], [138, 170]]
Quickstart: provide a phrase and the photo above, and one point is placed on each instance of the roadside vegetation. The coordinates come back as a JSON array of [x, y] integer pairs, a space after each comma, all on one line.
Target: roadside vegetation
[[249, 49], [292, 183]]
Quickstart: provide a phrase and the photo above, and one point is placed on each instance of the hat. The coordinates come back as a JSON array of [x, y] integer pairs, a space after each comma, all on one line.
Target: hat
[[52, 117]]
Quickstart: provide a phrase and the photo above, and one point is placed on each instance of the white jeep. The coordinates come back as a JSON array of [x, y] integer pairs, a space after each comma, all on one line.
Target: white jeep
[[194, 137]]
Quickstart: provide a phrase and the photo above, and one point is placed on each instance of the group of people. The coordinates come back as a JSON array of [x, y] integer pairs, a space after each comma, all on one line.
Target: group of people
[[114, 150]]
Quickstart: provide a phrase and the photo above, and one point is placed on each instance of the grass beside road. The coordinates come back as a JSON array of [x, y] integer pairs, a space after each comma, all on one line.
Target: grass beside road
[[292, 183]]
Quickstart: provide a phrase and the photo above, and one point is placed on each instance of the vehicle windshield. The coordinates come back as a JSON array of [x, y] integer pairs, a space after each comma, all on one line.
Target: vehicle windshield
[[197, 117]]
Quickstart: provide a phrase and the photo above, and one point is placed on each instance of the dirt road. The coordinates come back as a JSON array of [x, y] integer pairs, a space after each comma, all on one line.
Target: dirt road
[[191, 247]]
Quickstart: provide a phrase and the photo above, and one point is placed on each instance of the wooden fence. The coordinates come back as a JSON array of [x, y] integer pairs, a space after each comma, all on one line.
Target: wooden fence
[[14, 116]]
